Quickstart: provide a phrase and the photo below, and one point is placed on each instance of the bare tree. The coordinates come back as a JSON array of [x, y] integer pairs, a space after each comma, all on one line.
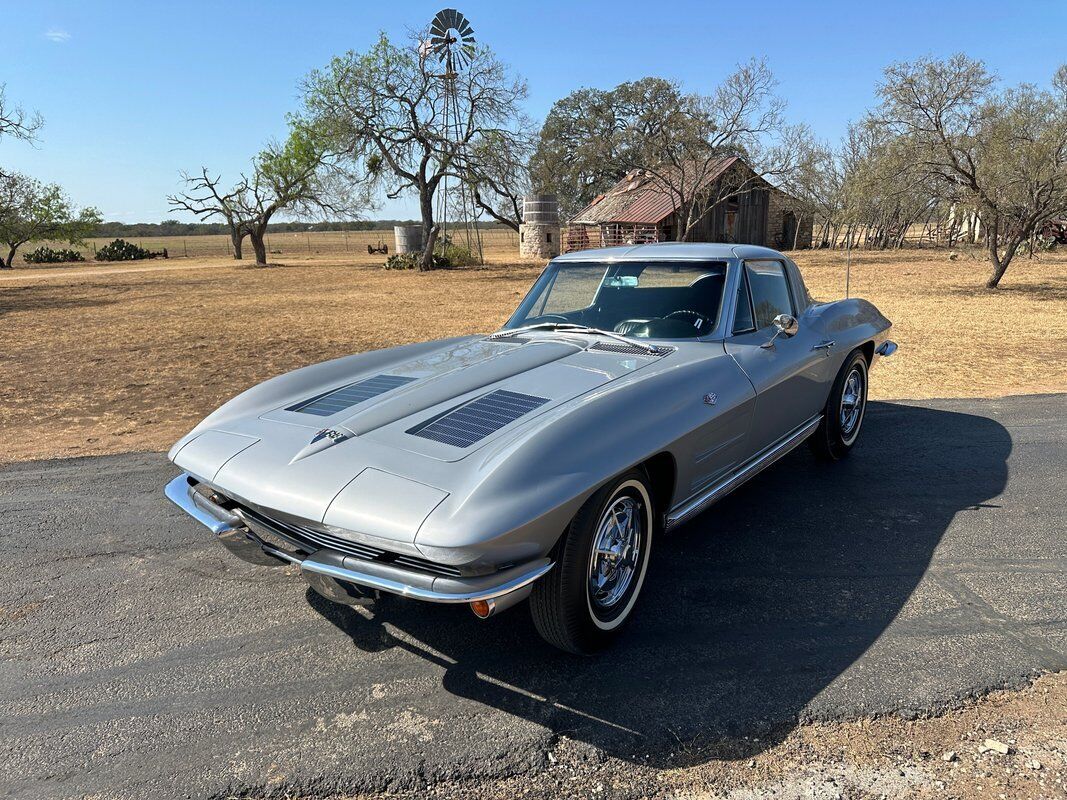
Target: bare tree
[[496, 170], [33, 211], [16, 121], [405, 124], [818, 184], [1005, 151], [207, 201], [298, 178]]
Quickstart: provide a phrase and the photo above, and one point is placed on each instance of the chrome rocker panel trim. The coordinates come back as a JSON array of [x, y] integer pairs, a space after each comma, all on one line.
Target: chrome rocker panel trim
[[326, 564], [719, 489]]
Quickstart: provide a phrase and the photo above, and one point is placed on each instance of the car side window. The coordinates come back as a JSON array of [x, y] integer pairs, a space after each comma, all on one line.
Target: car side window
[[743, 307], [770, 291]]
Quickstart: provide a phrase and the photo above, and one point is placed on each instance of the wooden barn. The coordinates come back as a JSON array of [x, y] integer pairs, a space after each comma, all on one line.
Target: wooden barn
[[638, 210]]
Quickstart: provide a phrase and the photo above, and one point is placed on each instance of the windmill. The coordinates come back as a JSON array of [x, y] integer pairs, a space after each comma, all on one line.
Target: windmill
[[452, 41], [452, 45]]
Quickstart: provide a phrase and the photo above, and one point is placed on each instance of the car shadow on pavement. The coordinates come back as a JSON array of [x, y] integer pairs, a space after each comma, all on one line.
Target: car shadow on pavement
[[749, 611]]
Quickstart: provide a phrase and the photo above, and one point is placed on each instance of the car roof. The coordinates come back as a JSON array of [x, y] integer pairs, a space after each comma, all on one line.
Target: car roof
[[670, 251]]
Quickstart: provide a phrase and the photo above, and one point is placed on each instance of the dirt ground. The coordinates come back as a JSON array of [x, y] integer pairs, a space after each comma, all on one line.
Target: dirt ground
[[945, 757], [107, 358]]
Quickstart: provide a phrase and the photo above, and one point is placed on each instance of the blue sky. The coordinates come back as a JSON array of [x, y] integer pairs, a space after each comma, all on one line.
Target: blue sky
[[132, 92]]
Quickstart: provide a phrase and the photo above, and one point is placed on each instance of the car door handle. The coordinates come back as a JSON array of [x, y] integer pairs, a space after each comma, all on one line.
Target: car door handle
[[824, 346]]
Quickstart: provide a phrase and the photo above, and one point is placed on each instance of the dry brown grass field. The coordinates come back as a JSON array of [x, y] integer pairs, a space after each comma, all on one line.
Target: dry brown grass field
[[105, 358]]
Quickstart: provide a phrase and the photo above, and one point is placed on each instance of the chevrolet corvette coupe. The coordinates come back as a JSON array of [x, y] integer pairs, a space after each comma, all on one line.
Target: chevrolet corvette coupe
[[631, 389]]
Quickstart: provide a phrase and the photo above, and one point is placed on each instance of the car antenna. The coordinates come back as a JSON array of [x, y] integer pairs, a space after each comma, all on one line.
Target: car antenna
[[848, 265]]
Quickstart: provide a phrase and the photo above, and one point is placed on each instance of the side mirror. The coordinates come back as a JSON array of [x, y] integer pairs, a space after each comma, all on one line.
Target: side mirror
[[785, 325]]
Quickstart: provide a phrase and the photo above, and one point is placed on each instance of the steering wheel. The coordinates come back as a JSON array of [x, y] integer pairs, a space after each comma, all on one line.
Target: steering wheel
[[550, 318], [684, 313]]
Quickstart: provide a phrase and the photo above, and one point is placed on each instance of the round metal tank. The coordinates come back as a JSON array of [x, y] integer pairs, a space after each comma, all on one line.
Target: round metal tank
[[540, 209], [408, 238]]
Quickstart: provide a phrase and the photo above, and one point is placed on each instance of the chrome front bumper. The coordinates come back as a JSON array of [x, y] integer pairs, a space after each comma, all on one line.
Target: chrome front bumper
[[327, 570]]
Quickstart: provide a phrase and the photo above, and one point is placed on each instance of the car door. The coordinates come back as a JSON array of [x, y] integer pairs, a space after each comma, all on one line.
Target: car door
[[787, 373]]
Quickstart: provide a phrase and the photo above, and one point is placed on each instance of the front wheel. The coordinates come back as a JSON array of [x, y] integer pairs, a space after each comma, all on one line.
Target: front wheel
[[843, 415], [583, 602]]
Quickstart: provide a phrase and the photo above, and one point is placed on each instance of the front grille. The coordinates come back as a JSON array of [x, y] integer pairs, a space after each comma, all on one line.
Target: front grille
[[311, 540]]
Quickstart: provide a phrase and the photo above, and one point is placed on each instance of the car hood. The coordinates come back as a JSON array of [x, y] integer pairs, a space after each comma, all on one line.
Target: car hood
[[376, 450]]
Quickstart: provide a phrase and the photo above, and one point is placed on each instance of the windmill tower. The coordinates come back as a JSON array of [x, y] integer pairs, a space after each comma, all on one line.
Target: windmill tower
[[452, 44]]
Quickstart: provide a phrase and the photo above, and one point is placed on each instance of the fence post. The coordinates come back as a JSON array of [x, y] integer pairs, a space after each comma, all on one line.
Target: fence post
[[185, 247], [309, 244]]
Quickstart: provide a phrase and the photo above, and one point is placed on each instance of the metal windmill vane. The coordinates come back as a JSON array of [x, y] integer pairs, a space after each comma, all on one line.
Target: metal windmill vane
[[452, 40]]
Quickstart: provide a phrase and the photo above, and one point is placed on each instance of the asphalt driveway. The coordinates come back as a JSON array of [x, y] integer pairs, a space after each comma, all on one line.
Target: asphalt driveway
[[138, 659]]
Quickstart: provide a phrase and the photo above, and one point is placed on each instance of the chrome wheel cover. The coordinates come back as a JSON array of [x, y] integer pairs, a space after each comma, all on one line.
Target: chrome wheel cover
[[616, 553], [853, 399]]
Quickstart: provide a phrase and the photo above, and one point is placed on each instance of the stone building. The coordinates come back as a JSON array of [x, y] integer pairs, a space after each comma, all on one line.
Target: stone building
[[540, 229]]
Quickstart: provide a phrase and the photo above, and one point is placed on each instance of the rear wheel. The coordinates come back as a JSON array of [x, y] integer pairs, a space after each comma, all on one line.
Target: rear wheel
[[587, 597], [843, 415]]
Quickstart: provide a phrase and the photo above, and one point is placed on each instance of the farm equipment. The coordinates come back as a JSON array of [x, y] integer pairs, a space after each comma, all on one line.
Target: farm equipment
[[378, 249], [1055, 230]]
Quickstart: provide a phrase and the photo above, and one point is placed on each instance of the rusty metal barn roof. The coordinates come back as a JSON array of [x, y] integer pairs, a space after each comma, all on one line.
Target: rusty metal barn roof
[[636, 200]]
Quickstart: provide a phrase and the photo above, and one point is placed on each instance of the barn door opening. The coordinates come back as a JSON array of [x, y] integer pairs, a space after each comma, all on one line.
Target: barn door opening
[[789, 230]]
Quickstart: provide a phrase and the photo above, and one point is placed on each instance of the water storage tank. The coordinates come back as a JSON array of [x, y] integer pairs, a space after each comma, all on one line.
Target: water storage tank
[[540, 208], [408, 238], [539, 232]]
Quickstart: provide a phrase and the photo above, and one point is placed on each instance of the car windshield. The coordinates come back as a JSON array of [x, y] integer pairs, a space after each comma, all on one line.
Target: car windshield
[[645, 300]]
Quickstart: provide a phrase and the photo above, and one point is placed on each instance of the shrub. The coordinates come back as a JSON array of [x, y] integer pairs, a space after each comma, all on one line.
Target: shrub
[[1046, 244], [455, 255], [121, 250], [411, 261], [46, 255], [402, 261]]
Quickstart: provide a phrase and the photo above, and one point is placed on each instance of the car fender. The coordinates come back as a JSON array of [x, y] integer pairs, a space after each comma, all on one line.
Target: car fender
[[530, 485]]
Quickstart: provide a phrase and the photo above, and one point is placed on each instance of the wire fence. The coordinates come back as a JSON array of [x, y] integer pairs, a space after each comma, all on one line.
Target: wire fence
[[496, 241]]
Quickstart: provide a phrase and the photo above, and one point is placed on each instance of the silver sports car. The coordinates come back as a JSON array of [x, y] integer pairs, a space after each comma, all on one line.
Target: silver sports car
[[632, 388]]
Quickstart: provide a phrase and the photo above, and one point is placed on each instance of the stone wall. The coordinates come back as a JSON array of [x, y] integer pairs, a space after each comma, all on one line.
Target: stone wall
[[538, 240], [777, 207]]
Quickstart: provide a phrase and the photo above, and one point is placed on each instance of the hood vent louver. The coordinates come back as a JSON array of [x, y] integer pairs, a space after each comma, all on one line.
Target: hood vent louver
[[473, 421], [326, 405], [631, 349]]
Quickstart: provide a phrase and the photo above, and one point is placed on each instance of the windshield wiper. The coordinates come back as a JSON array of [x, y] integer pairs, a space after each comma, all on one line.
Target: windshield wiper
[[573, 327]]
